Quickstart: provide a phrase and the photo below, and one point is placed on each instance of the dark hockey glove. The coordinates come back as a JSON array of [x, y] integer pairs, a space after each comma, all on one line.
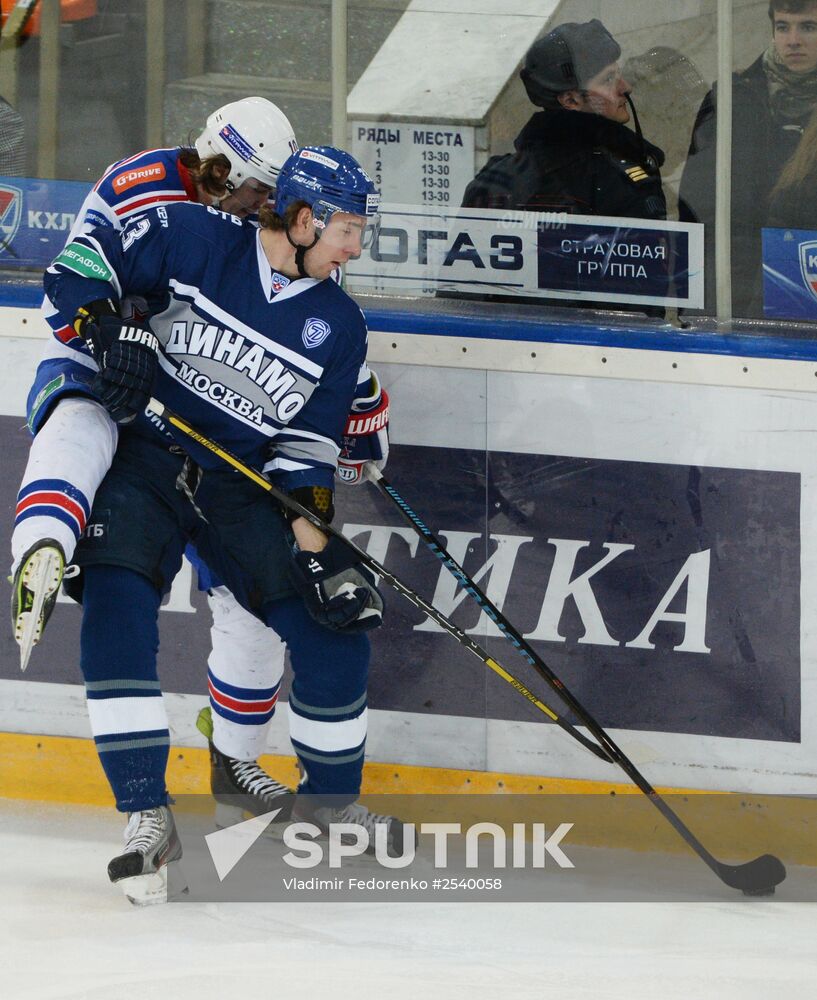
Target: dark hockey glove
[[339, 592], [366, 435], [127, 353]]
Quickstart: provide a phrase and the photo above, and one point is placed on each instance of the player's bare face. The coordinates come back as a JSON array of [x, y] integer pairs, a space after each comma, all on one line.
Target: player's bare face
[[795, 40], [340, 242], [606, 95], [247, 198]]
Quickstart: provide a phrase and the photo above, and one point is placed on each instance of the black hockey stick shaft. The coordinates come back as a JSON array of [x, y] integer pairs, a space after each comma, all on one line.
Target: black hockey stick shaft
[[470, 587], [762, 873], [394, 582]]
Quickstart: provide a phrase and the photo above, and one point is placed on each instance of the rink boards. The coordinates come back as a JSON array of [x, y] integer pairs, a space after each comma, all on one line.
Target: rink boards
[[641, 513]]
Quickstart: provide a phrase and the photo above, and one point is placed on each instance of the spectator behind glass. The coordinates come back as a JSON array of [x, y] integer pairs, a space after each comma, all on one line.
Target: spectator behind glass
[[772, 102], [12, 141], [793, 200], [577, 155]]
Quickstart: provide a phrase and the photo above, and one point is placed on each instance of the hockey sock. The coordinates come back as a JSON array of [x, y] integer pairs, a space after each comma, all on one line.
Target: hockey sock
[[327, 704], [67, 461], [118, 646], [246, 664]]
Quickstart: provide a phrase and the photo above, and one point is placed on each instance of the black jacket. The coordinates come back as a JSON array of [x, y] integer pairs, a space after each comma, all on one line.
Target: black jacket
[[570, 161], [760, 148]]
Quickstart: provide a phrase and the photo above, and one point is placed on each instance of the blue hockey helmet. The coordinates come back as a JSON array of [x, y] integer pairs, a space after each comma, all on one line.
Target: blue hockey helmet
[[329, 180]]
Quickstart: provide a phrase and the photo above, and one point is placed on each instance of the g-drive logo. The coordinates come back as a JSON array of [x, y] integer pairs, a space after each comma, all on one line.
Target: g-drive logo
[[528, 845]]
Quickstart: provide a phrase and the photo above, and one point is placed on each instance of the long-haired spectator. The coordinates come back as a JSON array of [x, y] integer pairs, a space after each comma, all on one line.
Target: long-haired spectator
[[793, 200]]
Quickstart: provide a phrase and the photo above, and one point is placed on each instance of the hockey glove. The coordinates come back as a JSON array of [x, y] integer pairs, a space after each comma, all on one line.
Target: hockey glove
[[127, 355], [366, 437], [339, 592]]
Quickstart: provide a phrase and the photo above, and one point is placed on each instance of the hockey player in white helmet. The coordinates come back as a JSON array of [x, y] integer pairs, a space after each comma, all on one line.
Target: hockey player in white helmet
[[316, 595], [255, 138], [234, 166], [242, 148]]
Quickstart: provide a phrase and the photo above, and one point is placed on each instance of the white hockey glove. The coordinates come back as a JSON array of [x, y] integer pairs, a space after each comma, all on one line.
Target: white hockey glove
[[366, 436]]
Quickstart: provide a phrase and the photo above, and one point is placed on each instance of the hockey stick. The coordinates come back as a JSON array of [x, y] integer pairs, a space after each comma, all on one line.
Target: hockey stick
[[757, 877], [374, 475], [161, 410]]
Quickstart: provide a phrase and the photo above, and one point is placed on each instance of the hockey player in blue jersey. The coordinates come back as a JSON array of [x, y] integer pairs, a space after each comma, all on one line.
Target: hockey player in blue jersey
[[234, 165], [250, 339]]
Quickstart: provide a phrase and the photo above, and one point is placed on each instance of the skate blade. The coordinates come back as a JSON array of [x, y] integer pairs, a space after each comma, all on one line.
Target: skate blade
[[41, 577], [162, 886]]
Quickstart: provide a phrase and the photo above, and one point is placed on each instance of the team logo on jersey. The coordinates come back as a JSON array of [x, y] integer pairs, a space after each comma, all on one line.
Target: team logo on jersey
[[140, 175], [279, 282], [808, 265], [11, 211], [315, 332], [237, 142]]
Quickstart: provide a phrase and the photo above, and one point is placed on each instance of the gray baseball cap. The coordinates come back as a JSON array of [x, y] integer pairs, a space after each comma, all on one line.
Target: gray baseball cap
[[566, 59]]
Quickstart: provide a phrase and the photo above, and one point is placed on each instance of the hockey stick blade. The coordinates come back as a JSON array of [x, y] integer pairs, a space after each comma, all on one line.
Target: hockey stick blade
[[758, 877], [754, 878]]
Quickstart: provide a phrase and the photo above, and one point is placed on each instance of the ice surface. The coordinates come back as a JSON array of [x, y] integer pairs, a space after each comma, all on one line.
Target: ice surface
[[68, 933]]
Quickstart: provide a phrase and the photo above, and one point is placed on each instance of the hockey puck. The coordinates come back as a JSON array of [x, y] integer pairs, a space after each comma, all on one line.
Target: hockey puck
[[759, 892]]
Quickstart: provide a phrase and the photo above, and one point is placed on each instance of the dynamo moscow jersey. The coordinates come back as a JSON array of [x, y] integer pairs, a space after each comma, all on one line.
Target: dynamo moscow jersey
[[265, 366]]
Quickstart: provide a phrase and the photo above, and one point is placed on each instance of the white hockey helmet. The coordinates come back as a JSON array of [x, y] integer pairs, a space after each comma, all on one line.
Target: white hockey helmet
[[255, 136]]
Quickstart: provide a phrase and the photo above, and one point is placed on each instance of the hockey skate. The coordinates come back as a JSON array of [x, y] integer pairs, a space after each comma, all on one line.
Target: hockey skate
[[147, 869], [314, 809], [34, 593], [242, 788]]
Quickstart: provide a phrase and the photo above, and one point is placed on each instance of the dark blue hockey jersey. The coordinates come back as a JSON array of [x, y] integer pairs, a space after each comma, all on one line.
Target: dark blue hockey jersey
[[128, 187], [264, 367]]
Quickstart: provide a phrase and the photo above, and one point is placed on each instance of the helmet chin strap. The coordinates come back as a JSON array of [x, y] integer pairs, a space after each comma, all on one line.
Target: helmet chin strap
[[300, 253]]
